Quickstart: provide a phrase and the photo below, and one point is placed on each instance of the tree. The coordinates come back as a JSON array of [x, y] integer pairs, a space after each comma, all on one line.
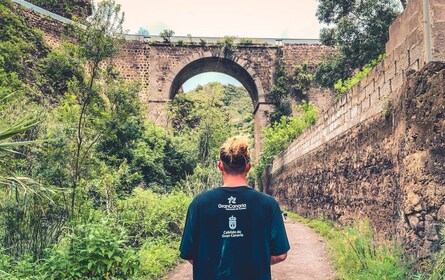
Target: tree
[[359, 29], [166, 35], [98, 41], [142, 31]]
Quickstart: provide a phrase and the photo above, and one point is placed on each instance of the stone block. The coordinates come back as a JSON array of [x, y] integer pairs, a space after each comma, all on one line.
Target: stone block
[[441, 213], [438, 41]]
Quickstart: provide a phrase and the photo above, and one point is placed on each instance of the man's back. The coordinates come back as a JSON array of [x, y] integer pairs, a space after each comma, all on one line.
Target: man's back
[[231, 233]]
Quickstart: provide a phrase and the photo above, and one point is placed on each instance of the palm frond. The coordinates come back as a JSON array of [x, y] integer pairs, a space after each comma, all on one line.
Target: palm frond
[[18, 128], [28, 186]]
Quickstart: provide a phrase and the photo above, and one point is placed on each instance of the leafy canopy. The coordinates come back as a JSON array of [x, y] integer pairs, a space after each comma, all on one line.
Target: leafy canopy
[[360, 29]]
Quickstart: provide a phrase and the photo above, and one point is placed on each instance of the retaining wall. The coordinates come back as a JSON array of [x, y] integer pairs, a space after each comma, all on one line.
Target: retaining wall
[[353, 161]]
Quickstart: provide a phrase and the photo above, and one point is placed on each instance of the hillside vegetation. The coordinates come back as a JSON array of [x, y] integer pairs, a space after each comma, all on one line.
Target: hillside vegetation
[[89, 188]]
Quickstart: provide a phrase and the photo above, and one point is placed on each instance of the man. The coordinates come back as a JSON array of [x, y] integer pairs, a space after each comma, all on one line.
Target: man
[[234, 232]]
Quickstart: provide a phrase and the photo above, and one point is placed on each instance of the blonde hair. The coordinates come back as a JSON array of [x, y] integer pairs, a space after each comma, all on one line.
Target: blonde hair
[[235, 154]]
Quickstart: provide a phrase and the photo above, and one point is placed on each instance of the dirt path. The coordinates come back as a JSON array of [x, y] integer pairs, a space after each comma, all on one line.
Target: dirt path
[[306, 260]]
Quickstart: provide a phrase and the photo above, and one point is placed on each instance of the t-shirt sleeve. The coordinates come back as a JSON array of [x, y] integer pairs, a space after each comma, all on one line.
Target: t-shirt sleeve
[[188, 247], [279, 242]]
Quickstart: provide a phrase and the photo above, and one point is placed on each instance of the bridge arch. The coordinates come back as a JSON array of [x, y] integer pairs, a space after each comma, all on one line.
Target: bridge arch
[[204, 62], [236, 67]]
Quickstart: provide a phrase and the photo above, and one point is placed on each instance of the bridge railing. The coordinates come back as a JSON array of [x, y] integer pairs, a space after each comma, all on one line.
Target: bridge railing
[[175, 39], [200, 39]]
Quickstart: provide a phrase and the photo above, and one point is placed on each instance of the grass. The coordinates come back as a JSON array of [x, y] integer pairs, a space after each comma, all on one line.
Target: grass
[[356, 251]]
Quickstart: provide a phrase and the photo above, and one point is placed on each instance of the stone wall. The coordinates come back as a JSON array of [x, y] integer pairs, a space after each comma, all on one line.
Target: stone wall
[[295, 54], [389, 168], [354, 161], [66, 8], [53, 31]]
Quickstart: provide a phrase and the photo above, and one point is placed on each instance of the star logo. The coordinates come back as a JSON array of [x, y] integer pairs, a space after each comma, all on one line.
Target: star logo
[[232, 200]]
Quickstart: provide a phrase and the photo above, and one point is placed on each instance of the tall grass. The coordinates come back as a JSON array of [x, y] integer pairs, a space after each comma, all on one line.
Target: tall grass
[[436, 266], [357, 252]]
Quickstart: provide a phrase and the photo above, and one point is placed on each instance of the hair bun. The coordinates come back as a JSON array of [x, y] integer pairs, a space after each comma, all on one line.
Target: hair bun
[[235, 151]]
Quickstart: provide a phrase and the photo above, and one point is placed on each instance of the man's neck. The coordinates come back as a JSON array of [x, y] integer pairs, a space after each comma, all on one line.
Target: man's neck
[[234, 180]]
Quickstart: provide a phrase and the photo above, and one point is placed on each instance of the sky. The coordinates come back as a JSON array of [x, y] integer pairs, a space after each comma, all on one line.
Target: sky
[[242, 18]]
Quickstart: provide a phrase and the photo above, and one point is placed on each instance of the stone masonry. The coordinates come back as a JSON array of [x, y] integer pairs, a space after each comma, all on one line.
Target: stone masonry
[[379, 151]]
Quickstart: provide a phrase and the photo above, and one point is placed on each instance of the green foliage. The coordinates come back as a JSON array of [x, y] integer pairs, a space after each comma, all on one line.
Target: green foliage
[[435, 267], [103, 33], [157, 258], [300, 80], [245, 41], [204, 177], [203, 119], [360, 31], [287, 86], [332, 68], [66, 8], [209, 115], [343, 86], [166, 35], [202, 42], [143, 31], [147, 215], [60, 66], [278, 136], [20, 49], [279, 94], [358, 253], [226, 45], [94, 250]]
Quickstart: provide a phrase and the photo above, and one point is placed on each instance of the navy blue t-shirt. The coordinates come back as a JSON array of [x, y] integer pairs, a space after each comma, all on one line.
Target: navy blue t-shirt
[[230, 234]]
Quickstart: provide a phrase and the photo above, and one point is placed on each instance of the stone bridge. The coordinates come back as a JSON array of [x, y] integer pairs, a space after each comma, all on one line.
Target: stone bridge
[[162, 68]]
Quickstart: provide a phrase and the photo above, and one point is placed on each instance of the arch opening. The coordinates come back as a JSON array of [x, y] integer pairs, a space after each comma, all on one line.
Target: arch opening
[[215, 64], [209, 77]]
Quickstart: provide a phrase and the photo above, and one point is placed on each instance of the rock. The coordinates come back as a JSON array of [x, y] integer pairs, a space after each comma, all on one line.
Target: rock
[[413, 198], [418, 208], [441, 213], [431, 231], [413, 221]]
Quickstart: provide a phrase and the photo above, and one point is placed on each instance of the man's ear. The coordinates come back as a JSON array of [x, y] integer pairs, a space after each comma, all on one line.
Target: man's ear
[[220, 165], [248, 166]]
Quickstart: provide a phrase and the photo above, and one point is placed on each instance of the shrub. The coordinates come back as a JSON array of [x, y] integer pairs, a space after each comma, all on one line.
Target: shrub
[[227, 44], [281, 134], [166, 35], [158, 257], [94, 250], [149, 215], [245, 41], [343, 86]]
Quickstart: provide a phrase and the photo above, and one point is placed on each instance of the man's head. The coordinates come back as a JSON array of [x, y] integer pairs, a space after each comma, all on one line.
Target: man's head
[[235, 156]]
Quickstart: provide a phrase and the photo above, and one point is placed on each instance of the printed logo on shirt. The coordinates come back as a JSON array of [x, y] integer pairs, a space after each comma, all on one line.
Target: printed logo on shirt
[[232, 200], [232, 222], [232, 233], [232, 205]]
